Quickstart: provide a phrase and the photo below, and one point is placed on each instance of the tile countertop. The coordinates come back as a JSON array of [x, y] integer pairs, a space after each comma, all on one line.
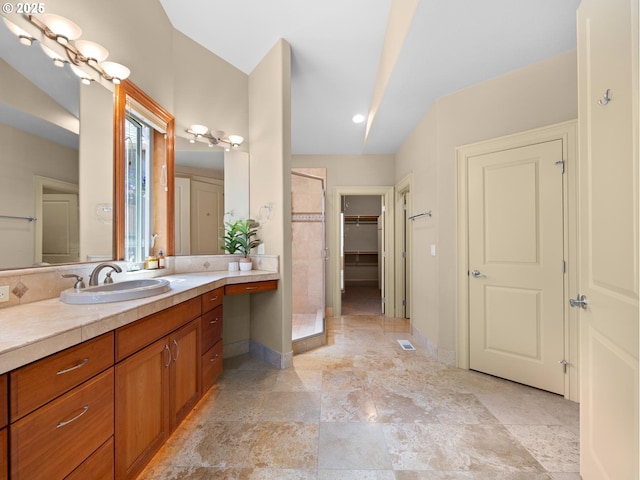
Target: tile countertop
[[33, 331]]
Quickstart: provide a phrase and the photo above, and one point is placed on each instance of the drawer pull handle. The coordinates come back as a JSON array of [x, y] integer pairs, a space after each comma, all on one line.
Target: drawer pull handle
[[251, 288], [213, 322], [213, 299], [175, 359], [167, 349], [67, 370], [67, 422], [215, 357]]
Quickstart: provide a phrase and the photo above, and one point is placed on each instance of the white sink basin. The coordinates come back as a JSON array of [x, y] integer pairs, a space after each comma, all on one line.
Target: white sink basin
[[116, 292]]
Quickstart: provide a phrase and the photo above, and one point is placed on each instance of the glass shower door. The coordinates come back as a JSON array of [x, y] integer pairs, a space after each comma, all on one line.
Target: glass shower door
[[308, 252]]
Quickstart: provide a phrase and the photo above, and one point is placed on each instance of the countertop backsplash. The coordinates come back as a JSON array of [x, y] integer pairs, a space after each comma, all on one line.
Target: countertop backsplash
[[41, 283]]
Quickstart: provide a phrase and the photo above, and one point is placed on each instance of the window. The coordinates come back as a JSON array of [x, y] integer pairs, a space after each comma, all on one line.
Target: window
[[139, 189], [144, 176]]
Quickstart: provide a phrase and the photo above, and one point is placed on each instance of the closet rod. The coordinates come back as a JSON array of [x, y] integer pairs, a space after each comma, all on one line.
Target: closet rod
[[31, 219], [428, 214]]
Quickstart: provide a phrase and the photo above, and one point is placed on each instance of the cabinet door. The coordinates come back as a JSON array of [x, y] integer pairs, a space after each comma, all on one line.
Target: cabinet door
[[185, 371], [142, 408]]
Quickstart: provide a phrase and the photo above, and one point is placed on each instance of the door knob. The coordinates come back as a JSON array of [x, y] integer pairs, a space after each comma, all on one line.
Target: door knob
[[579, 302], [477, 274]]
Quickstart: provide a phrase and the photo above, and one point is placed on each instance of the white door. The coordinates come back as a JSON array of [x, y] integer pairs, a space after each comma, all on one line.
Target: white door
[[207, 204], [516, 289], [60, 228], [608, 240]]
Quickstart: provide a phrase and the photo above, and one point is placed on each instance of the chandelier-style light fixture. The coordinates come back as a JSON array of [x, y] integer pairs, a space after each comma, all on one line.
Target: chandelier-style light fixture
[[214, 137], [79, 53]]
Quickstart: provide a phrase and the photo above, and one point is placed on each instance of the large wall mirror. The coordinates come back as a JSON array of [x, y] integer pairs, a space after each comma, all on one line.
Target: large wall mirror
[[57, 154]]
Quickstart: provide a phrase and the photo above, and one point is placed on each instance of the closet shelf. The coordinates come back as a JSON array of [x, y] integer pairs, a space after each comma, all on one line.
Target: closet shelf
[[361, 219]]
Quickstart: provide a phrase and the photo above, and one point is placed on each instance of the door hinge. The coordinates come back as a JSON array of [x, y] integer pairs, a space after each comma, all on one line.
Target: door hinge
[[404, 302], [384, 300], [404, 207], [564, 266], [561, 163], [564, 364], [404, 254], [384, 209]]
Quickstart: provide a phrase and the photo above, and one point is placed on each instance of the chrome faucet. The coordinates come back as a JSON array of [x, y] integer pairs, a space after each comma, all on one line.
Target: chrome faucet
[[93, 278]]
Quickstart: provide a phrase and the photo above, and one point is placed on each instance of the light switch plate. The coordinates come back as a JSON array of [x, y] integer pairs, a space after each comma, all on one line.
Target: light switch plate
[[433, 250], [4, 293]]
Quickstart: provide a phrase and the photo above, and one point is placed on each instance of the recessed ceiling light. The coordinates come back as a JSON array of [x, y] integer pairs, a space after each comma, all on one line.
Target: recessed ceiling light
[[358, 118]]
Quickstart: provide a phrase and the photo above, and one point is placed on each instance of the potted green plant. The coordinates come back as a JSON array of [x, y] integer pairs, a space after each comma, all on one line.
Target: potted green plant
[[247, 232], [230, 242]]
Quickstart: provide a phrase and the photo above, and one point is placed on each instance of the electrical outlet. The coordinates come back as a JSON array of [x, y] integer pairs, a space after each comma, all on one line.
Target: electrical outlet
[[4, 293]]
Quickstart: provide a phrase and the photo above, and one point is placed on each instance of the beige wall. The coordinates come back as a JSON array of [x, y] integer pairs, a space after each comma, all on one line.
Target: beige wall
[[96, 171], [347, 171], [540, 94], [270, 182]]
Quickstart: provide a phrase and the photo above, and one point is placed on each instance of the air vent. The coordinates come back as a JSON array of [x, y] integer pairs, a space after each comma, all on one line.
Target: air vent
[[406, 345]]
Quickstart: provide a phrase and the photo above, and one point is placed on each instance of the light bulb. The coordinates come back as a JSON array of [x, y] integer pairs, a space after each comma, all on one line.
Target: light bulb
[[63, 28], [236, 140], [198, 130], [94, 52], [116, 71]]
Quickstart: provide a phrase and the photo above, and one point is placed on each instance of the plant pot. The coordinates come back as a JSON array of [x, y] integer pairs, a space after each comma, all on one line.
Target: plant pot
[[233, 266], [245, 265]]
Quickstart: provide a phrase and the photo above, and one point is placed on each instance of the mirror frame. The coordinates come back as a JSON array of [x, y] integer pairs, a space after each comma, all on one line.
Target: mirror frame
[[129, 89]]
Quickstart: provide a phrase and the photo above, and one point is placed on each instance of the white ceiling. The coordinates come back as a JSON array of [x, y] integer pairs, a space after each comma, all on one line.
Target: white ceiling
[[337, 47]]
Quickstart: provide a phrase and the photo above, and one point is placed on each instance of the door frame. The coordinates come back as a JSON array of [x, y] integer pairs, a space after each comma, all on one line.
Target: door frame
[[403, 237], [567, 132], [389, 257]]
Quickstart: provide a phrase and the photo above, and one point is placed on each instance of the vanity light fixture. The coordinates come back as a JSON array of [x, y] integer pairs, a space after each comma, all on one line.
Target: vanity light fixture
[[214, 136], [79, 53]]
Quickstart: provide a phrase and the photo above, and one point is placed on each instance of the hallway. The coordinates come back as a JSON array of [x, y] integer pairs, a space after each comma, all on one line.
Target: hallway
[[361, 408]]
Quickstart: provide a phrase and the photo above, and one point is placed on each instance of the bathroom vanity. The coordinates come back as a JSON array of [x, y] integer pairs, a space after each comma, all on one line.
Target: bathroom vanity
[[103, 407]]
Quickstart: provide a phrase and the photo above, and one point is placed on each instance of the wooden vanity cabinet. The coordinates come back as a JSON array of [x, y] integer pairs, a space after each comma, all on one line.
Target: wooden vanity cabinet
[[211, 337], [4, 418], [157, 385]]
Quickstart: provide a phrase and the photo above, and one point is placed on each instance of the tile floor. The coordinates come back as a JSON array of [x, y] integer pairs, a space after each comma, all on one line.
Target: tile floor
[[361, 408]]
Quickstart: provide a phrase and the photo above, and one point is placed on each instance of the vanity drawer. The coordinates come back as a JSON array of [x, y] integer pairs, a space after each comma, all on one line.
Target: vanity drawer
[[211, 365], [37, 383], [52, 441], [212, 299], [250, 287], [211, 328]]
